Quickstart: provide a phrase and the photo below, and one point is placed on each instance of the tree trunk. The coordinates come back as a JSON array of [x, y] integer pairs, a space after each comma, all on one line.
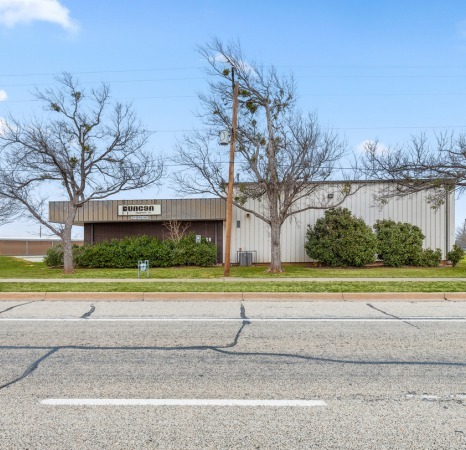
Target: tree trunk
[[275, 260], [68, 263]]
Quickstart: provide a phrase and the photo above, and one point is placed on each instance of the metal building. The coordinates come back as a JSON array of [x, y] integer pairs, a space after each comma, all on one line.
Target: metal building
[[438, 225], [105, 220]]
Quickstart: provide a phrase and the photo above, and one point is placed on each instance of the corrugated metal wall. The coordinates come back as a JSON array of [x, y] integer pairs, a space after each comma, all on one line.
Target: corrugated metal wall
[[172, 209], [254, 235]]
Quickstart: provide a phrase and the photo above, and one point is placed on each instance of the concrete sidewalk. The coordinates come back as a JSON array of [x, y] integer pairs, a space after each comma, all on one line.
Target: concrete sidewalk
[[220, 280]]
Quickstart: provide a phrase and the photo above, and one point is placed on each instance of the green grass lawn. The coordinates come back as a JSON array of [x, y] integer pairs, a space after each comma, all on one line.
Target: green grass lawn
[[297, 286], [18, 268]]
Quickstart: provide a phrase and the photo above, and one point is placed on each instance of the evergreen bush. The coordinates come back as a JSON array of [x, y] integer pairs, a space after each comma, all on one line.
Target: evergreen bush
[[399, 244], [54, 256], [430, 258], [341, 239], [455, 255], [125, 253]]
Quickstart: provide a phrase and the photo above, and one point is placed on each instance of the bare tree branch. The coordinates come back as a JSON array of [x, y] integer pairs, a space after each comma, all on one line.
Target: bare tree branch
[[460, 236], [176, 229], [84, 147], [438, 166], [281, 153]]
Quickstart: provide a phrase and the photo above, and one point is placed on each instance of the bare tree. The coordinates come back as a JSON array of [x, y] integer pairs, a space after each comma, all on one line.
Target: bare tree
[[176, 229], [438, 166], [9, 210], [282, 154], [84, 149], [460, 235]]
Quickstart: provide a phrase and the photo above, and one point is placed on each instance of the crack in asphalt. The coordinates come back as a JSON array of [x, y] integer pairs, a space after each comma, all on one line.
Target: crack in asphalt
[[88, 314], [36, 363], [344, 361], [17, 306], [391, 315], [243, 325], [242, 312], [31, 368], [225, 350]]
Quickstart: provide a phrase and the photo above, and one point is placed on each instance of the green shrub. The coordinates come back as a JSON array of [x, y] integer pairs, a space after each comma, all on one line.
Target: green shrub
[[187, 252], [399, 244], [125, 253], [430, 258], [118, 253], [162, 255], [455, 255], [205, 254], [341, 239], [54, 256]]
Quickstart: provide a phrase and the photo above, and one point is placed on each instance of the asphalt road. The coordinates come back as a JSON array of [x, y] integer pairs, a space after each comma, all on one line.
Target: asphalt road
[[345, 375]]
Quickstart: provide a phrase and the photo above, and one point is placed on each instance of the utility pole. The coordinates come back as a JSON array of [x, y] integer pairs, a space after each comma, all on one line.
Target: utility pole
[[231, 174]]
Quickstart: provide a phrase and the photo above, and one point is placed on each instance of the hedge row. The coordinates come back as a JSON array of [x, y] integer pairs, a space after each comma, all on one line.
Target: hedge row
[[125, 253], [341, 239]]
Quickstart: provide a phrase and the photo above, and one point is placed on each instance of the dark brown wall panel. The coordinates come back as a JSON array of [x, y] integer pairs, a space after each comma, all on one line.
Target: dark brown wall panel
[[100, 232]]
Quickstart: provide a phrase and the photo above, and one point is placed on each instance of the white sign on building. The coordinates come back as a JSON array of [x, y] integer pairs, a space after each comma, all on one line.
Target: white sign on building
[[139, 210]]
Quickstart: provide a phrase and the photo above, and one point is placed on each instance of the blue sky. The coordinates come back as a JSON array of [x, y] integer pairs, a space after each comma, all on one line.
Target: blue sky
[[370, 70]]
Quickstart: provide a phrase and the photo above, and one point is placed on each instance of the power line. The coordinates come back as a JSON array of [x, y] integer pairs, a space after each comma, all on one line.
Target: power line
[[357, 95], [285, 76], [435, 127], [380, 76], [280, 66], [154, 97], [423, 127], [110, 82], [100, 71], [388, 94], [336, 169]]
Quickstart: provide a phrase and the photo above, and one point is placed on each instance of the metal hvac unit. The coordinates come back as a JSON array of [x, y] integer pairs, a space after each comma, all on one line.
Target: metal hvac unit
[[245, 258]]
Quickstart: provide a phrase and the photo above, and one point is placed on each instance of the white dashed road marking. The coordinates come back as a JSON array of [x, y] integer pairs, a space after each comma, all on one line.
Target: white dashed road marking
[[178, 402]]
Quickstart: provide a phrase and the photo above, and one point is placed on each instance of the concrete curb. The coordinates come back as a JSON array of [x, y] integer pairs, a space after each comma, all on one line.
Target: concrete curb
[[455, 296], [400, 296], [292, 296], [234, 296]]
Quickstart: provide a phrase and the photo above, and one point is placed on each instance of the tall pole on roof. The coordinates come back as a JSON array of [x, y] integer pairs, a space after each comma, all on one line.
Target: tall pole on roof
[[231, 174]]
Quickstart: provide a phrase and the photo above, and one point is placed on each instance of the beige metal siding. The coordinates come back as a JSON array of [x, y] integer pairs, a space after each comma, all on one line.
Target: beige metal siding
[[254, 234], [176, 209]]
